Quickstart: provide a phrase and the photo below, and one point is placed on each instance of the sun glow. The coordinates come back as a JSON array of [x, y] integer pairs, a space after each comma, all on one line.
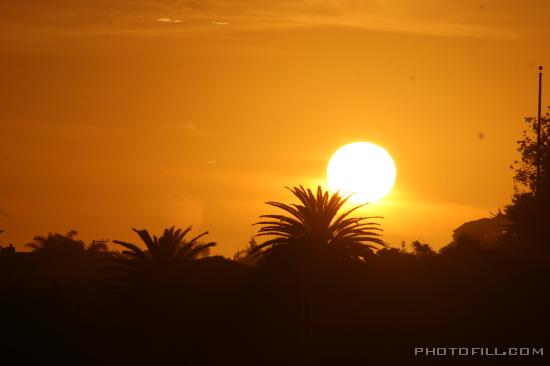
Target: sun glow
[[361, 168]]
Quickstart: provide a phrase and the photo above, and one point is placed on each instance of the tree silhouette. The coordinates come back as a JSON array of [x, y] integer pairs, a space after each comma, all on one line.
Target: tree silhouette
[[59, 244], [55, 243], [529, 212], [244, 255], [422, 249], [525, 169], [62, 258], [161, 260], [97, 246], [314, 227], [308, 253]]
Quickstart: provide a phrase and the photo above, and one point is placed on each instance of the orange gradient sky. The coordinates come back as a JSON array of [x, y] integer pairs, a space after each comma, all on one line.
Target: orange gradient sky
[[147, 114]]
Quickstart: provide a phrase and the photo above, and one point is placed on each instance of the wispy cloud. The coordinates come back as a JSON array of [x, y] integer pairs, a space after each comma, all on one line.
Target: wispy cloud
[[169, 20], [457, 18]]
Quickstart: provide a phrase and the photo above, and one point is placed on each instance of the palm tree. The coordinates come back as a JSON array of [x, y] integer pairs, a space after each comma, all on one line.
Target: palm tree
[[313, 227], [309, 246], [164, 256], [55, 243]]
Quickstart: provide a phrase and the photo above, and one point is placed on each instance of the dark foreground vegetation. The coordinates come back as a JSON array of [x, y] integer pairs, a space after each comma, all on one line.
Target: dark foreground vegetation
[[324, 288]]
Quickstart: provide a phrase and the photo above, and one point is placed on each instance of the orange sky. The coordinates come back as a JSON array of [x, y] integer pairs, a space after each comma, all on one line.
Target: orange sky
[[147, 114]]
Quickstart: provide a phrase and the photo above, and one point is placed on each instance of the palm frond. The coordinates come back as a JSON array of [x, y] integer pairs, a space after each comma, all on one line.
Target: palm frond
[[133, 251], [146, 238]]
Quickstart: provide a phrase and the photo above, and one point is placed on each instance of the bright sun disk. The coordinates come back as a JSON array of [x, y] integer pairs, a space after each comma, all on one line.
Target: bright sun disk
[[361, 168]]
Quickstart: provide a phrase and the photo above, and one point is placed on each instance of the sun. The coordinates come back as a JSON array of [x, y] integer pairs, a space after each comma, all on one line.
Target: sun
[[362, 168]]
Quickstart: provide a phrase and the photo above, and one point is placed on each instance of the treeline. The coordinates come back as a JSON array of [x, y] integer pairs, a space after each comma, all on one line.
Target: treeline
[[323, 289]]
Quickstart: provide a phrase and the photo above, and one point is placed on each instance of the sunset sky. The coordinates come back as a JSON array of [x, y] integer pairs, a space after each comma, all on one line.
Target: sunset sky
[[148, 114]]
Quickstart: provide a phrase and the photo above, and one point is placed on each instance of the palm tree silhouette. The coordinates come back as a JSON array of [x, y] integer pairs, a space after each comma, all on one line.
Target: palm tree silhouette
[[311, 240], [313, 227], [163, 257], [57, 243]]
